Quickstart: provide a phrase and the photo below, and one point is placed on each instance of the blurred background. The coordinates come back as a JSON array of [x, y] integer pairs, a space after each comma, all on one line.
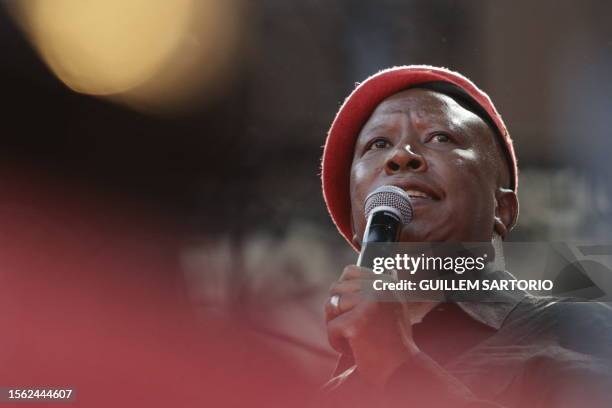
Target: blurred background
[[178, 142]]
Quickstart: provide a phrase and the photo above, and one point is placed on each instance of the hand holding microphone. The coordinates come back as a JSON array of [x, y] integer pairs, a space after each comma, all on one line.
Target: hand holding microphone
[[387, 209], [373, 331]]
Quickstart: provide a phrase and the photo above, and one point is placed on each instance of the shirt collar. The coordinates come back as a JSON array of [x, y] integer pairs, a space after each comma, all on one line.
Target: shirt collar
[[493, 307]]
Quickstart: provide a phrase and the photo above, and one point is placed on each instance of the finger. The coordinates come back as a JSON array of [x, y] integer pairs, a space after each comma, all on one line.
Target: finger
[[358, 284], [346, 302], [357, 289], [355, 272], [340, 330], [348, 325], [347, 286], [366, 284]]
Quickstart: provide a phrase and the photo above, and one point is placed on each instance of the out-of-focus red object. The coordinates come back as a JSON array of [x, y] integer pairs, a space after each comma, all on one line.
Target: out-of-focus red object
[[90, 300]]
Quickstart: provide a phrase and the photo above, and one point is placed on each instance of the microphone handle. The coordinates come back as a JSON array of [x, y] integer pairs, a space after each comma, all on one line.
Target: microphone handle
[[383, 226]]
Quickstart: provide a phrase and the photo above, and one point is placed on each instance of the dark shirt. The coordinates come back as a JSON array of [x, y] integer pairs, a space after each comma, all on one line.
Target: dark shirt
[[448, 319], [509, 350]]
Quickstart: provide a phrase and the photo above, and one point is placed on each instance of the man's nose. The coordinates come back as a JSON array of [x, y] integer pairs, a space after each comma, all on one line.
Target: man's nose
[[403, 158]]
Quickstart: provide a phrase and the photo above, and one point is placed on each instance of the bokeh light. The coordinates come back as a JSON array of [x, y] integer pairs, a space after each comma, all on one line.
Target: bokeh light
[[150, 54]]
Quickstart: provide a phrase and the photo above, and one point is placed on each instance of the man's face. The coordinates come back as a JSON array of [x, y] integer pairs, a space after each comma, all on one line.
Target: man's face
[[443, 155]]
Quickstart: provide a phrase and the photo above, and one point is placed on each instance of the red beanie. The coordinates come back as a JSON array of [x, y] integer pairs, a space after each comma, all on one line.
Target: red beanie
[[356, 110]]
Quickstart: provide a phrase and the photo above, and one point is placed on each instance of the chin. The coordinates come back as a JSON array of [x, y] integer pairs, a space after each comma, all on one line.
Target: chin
[[417, 232], [422, 237]]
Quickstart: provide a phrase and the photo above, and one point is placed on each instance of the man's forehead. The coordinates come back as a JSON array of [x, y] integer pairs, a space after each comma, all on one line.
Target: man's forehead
[[420, 100], [422, 105]]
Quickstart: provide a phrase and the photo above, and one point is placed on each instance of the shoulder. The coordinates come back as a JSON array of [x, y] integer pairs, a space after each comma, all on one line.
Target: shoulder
[[571, 310], [585, 312], [582, 326]]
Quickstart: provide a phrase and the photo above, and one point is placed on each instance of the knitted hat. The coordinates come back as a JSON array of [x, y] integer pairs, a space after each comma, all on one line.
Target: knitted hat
[[356, 110]]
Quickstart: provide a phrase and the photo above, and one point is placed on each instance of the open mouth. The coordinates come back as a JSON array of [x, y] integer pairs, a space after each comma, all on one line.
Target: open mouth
[[420, 192], [412, 193]]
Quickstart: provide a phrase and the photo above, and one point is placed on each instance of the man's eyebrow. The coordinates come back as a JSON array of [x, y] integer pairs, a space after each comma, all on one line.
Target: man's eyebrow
[[384, 126]]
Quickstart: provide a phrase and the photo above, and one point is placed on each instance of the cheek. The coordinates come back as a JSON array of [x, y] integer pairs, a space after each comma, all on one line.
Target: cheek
[[472, 187], [469, 182], [466, 155], [470, 172], [362, 171], [358, 178], [363, 177]]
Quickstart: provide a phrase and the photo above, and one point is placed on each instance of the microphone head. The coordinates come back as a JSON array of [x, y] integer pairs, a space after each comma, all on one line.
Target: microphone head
[[389, 198]]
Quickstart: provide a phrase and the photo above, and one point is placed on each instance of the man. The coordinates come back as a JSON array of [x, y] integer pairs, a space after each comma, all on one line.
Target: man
[[433, 133]]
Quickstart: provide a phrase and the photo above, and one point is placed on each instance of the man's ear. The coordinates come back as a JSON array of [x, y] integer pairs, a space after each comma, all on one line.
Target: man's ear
[[506, 211]]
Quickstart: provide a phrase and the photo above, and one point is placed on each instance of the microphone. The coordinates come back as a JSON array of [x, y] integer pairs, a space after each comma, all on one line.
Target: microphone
[[387, 209]]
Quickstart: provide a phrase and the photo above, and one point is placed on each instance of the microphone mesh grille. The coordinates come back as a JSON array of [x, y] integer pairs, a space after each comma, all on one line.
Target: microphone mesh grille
[[390, 196]]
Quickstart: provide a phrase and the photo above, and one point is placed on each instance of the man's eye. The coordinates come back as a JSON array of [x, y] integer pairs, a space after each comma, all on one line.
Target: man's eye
[[441, 138], [379, 144]]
